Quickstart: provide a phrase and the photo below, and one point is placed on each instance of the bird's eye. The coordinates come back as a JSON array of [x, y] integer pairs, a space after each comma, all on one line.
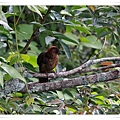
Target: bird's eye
[[54, 50]]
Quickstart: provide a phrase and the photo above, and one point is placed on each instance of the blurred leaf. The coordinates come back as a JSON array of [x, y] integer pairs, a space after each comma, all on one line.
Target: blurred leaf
[[73, 37], [57, 16], [12, 71], [3, 20], [0, 12], [60, 94], [92, 7], [66, 49], [17, 94], [29, 100], [25, 57], [1, 78], [79, 27], [13, 58], [36, 108], [72, 108], [35, 9], [112, 14], [68, 95], [49, 39], [91, 10], [64, 12], [62, 36], [14, 99], [6, 26], [103, 34], [42, 8], [48, 32], [91, 41], [57, 101], [100, 97], [24, 32], [37, 24], [50, 109], [33, 61], [30, 59]]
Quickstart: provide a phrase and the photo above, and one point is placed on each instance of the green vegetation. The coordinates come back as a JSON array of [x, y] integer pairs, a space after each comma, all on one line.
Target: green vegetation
[[80, 32]]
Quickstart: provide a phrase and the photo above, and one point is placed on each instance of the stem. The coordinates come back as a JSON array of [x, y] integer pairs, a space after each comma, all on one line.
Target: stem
[[36, 31]]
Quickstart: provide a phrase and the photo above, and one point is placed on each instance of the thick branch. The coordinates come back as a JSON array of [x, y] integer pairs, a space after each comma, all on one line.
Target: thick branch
[[17, 85]]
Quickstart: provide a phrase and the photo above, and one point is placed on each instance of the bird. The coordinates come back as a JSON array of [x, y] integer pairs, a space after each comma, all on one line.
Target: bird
[[47, 61]]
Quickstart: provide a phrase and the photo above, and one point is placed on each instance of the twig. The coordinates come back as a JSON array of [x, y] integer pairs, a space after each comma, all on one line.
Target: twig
[[36, 31], [50, 8], [101, 48], [100, 68]]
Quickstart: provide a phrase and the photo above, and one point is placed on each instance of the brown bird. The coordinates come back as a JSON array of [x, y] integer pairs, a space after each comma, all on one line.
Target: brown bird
[[47, 61]]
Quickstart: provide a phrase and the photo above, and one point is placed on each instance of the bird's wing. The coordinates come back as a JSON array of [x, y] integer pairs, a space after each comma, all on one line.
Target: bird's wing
[[41, 61]]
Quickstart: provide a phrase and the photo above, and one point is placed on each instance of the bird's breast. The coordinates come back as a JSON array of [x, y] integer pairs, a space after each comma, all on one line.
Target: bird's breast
[[53, 62]]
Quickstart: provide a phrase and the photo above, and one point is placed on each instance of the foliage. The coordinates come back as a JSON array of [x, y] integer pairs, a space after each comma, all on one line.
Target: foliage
[[79, 31]]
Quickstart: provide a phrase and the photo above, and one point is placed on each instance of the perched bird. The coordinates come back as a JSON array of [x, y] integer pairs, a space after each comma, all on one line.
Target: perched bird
[[47, 61]]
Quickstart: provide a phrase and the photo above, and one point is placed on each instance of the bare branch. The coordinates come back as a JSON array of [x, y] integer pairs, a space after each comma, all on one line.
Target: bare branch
[[83, 80], [17, 85], [101, 48], [78, 69]]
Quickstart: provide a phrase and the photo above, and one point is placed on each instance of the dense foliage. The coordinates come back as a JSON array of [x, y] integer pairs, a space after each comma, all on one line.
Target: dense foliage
[[77, 30]]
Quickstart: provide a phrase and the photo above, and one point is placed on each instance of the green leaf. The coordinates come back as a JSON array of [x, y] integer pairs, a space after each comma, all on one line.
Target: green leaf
[[17, 94], [25, 57], [60, 94], [48, 32], [33, 61], [66, 49], [79, 27], [100, 97], [103, 34], [49, 39], [24, 31], [3, 20], [0, 12], [73, 37], [12, 71], [1, 78], [91, 41], [72, 108], [64, 12], [35, 9], [30, 59], [37, 24], [29, 100], [6, 26], [42, 8], [57, 15], [62, 36]]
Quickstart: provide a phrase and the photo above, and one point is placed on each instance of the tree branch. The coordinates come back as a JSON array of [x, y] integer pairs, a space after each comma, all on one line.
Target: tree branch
[[78, 69], [17, 85], [36, 31], [67, 83]]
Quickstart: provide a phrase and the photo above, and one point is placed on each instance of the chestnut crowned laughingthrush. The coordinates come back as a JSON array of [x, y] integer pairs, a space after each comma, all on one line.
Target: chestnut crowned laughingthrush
[[47, 61]]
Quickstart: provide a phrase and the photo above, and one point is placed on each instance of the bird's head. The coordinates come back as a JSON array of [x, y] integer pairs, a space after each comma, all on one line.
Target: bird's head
[[53, 50]]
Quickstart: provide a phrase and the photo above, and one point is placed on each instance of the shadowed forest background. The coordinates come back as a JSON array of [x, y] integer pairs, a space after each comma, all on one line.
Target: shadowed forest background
[[82, 33]]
